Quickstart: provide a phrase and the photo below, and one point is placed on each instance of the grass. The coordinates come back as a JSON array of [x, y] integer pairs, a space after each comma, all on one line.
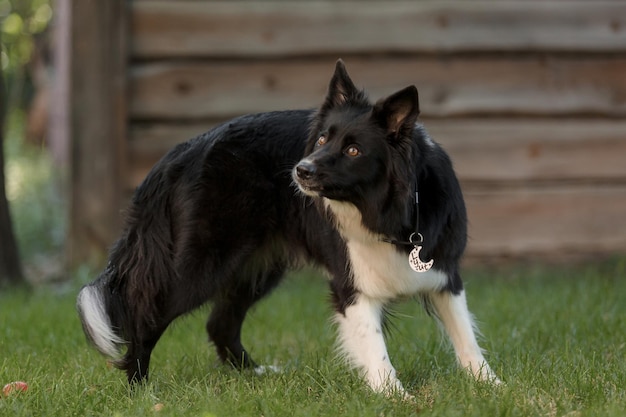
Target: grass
[[556, 336]]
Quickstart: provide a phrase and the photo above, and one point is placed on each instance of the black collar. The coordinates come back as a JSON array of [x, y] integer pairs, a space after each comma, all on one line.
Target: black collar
[[416, 237]]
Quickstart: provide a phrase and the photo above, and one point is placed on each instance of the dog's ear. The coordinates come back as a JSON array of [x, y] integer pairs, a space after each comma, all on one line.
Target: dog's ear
[[399, 111], [341, 88]]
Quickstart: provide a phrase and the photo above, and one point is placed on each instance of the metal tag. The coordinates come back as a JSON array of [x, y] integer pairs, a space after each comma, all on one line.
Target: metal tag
[[416, 263]]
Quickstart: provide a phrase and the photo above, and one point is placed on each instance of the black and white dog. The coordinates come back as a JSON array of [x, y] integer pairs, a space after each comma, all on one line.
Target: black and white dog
[[222, 217]]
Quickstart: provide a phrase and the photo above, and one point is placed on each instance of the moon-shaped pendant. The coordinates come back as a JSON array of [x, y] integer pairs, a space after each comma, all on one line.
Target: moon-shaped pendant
[[416, 263]]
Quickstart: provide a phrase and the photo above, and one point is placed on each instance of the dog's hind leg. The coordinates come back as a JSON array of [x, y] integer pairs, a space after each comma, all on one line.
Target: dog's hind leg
[[173, 300], [228, 313], [224, 328], [136, 361], [451, 310]]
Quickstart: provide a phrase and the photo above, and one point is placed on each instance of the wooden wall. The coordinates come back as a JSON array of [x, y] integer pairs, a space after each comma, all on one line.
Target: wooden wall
[[529, 98]]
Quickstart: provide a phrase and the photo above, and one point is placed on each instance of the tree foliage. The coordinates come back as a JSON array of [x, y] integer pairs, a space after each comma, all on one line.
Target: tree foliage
[[21, 22]]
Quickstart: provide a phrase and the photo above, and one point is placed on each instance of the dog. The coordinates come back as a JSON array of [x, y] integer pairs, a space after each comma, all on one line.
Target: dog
[[356, 188]]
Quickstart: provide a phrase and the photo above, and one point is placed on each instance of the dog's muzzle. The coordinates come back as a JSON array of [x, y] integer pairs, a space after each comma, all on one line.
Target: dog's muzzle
[[305, 170], [304, 174]]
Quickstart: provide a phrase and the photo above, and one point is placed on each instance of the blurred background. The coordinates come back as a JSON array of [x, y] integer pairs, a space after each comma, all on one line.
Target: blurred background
[[529, 99]]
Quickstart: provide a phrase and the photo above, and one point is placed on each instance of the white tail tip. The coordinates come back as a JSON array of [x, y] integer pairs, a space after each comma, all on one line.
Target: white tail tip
[[96, 322]]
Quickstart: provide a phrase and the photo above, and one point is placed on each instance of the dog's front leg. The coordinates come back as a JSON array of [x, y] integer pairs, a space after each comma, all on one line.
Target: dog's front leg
[[457, 321], [363, 344]]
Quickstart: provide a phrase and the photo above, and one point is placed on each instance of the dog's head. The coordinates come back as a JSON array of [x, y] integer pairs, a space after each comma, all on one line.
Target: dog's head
[[354, 146]]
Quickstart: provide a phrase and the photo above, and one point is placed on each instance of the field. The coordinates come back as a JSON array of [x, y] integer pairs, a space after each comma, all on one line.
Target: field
[[556, 336]]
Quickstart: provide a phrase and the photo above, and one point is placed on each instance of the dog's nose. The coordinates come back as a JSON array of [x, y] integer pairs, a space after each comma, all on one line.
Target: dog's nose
[[305, 170]]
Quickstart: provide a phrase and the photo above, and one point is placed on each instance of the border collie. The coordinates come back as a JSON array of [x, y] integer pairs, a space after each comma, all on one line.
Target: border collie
[[359, 189]]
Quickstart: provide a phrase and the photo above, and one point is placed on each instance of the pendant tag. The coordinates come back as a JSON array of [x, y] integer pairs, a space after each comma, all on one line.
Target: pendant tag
[[416, 263]]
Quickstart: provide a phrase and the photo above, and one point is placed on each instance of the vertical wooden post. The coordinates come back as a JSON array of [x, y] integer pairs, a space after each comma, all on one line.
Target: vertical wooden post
[[98, 118]]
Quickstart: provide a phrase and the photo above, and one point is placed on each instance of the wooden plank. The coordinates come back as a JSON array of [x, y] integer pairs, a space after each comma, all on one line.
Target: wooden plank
[[253, 28], [98, 126], [487, 150], [564, 220], [452, 86], [531, 150]]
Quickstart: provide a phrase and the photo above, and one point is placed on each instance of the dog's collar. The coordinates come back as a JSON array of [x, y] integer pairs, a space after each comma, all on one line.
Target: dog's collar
[[416, 237], [415, 240]]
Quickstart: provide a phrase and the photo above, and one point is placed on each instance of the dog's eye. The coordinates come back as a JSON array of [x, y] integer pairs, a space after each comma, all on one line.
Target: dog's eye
[[321, 140], [353, 151]]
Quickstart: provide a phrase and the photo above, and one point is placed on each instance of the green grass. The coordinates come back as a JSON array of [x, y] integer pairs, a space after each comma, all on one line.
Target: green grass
[[556, 336]]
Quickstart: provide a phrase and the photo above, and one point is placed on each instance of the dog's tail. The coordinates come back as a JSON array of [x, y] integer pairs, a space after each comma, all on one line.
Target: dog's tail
[[125, 309], [95, 315], [121, 308], [99, 315], [126, 306]]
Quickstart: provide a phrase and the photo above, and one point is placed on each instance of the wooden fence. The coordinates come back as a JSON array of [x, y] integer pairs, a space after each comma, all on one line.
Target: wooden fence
[[529, 98]]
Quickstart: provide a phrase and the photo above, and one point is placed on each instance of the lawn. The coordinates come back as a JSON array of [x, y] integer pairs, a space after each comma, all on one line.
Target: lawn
[[556, 336]]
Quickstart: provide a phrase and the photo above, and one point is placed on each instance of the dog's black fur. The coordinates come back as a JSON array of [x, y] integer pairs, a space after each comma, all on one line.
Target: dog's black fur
[[222, 217]]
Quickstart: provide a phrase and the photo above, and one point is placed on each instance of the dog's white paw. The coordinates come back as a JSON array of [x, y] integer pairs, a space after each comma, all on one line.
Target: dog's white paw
[[485, 374], [496, 382], [387, 385]]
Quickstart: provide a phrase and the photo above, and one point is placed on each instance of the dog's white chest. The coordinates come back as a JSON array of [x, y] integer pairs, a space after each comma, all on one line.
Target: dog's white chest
[[379, 270]]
